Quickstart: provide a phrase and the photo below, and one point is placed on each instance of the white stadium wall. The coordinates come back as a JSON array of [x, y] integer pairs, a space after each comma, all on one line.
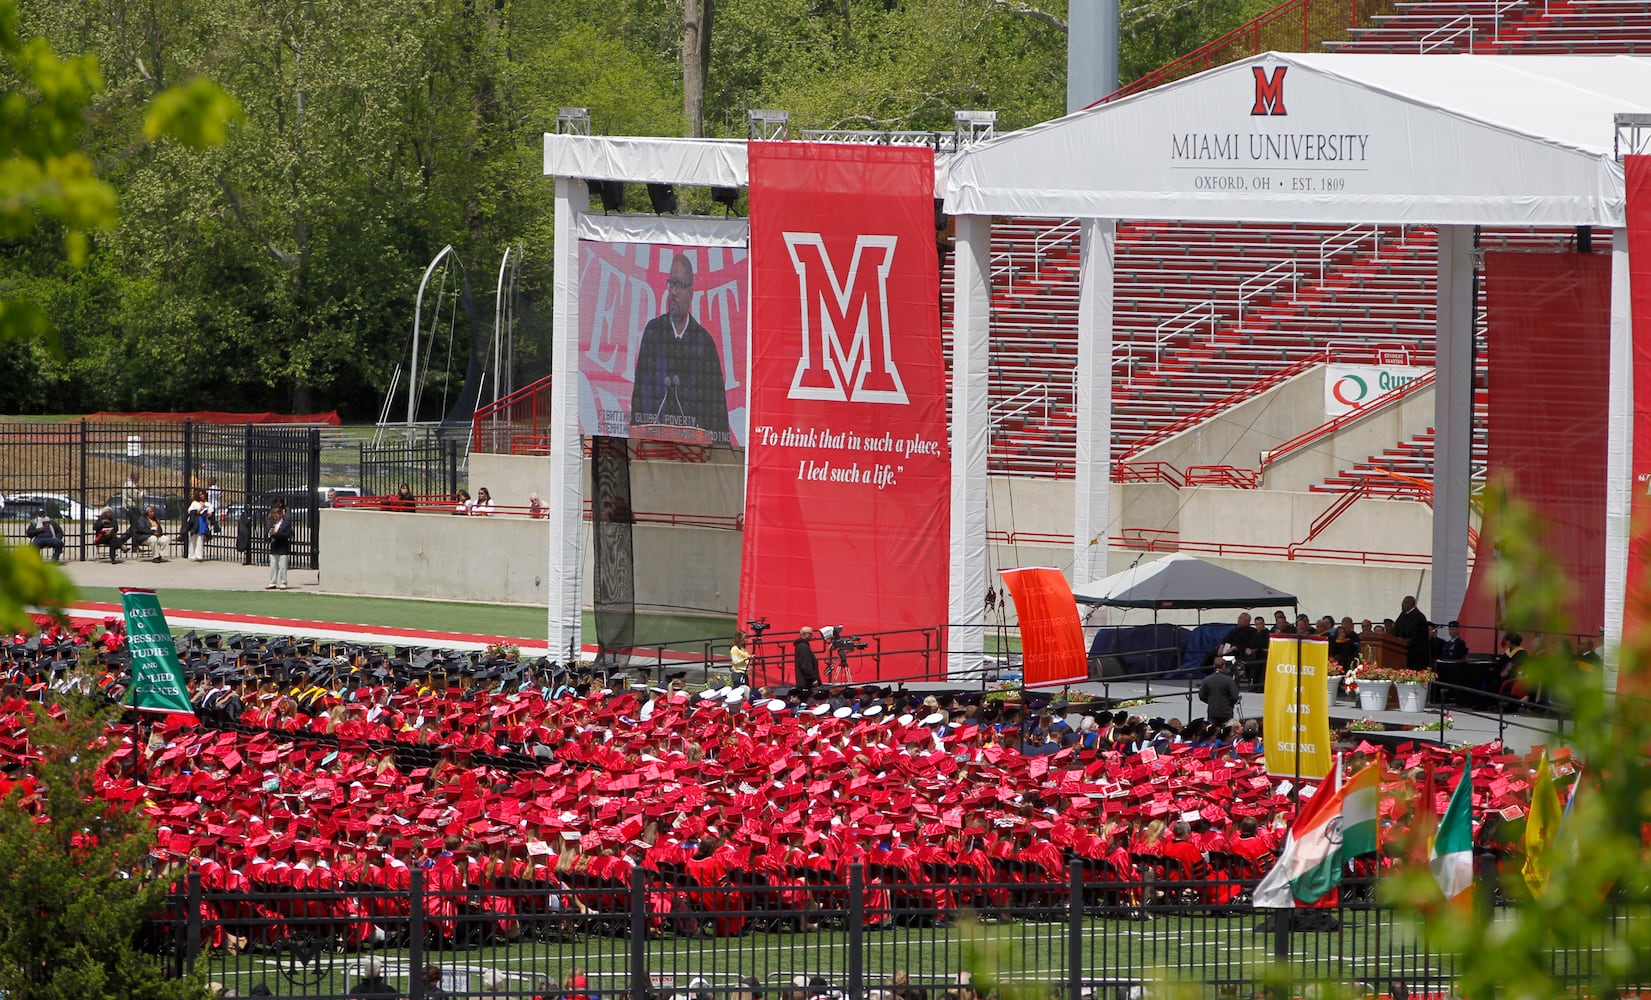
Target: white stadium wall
[[503, 558]]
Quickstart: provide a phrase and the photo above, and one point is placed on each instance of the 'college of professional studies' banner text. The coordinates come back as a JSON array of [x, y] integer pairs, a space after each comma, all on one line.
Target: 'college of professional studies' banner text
[[1295, 722], [848, 471], [157, 676], [1051, 633], [662, 342]]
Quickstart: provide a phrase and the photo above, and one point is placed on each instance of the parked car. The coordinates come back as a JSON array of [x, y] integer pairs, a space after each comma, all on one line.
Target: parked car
[[28, 506], [168, 509]]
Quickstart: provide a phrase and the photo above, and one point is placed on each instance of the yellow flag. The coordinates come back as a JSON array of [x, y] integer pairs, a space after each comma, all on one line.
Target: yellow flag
[[1540, 827], [1295, 719]]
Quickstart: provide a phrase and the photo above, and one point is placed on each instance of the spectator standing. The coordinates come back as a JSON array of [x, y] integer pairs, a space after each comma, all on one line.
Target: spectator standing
[[432, 984], [483, 507], [808, 665], [47, 536], [372, 982], [462, 503], [280, 546], [405, 501], [214, 495], [131, 495], [1220, 693], [198, 522], [534, 507]]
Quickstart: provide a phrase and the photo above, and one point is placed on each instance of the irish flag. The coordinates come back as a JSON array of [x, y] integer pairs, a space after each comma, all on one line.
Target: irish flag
[[1331, 828], [1451, 857]]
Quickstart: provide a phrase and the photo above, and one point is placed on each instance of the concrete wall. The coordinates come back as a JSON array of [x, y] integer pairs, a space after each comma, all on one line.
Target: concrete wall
[[502, 559], [1239, 436], [1372, 435]]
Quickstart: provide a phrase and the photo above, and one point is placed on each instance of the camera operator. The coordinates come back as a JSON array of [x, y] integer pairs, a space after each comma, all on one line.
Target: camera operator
[[807, 664]]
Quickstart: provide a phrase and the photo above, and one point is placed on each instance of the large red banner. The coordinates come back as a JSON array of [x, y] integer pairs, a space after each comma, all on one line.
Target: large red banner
[[1637, 609], [1051, 633], [847, 486]]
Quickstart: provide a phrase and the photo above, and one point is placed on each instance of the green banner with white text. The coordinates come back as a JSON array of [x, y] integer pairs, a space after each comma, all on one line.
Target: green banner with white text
[[157, 676]]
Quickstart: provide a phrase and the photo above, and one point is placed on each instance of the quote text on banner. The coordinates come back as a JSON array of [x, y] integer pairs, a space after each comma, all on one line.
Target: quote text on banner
[[1051, 633], [848, 470]]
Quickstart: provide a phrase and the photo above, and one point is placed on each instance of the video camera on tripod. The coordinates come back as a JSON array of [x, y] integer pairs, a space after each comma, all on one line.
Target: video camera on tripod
[[838, 645], [755, 627]]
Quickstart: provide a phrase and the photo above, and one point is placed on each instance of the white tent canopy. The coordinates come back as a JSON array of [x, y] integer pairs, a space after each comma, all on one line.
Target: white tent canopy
[[1180, 581], [1453, 141], [1482, 140]]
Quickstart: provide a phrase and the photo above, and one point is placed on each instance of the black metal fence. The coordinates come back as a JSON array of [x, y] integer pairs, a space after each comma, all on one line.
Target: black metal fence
[[656, 934], [74, 469], [429, 467]]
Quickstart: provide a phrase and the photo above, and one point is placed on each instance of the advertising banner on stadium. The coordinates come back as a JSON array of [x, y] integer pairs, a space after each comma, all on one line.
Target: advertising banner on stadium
[[1295, 722], [1637, 603], [847, 495], [662, 341], [1051, 633], [1350, 387]]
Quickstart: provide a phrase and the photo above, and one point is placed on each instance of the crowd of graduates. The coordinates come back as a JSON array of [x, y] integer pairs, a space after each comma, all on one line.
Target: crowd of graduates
[[530, 796]]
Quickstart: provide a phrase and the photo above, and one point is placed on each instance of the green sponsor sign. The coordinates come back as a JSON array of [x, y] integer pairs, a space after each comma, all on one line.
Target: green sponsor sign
[[157, 676]]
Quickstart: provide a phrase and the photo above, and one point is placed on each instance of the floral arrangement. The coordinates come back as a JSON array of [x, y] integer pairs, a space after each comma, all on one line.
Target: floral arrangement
[[1337, 670], [1434, 727], [504, 651], [1366, 726], [1397, 675]]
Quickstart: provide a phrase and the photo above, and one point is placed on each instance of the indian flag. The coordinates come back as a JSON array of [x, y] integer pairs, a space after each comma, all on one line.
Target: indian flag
[[1451, 857], [1331, 829]]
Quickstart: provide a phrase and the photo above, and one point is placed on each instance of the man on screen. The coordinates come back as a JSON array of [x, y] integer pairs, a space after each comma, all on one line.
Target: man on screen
[[678, 381]]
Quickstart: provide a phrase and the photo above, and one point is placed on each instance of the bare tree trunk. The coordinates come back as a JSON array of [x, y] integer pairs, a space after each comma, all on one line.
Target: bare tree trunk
[[696, 17]]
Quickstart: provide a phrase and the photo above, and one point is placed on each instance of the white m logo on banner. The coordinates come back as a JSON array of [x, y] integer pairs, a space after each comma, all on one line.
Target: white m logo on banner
[[863, 371]]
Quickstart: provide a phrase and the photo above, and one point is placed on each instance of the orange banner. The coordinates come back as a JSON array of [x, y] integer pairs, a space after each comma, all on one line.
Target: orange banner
[[1051, 634]]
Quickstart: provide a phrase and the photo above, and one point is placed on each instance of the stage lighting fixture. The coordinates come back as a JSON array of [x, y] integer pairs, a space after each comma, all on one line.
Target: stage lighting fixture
[[767, 125], [726, 197], [972, 126], [573, 121], [663, 198], [610, 193]]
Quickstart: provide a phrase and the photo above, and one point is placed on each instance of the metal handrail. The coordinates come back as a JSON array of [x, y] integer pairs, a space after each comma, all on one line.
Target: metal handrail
[[1422, 46], [1286, 272], [1185, 321], [1056, 235], [1334, 244], [1034, 394], [1336, 424]]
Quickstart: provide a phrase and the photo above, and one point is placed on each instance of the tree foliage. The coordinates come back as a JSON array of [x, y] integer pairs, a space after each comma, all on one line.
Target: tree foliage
[[73, 899], [277, 268]]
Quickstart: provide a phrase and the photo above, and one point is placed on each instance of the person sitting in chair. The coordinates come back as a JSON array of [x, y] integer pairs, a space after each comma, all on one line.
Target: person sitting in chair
[[146, 534], [47, 536], [106, 532]]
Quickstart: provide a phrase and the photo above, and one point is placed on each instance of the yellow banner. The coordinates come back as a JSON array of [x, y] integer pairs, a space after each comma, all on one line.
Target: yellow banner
[[1295, 722]]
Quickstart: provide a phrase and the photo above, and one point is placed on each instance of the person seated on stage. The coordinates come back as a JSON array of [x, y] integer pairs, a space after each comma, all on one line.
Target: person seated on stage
[[1344, 643], [1281, 625], [1510, 666], [1246, 645], [1587, 653], [1455, 647]]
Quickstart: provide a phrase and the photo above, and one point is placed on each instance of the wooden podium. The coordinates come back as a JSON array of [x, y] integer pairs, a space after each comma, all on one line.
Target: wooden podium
[[1383, 649]]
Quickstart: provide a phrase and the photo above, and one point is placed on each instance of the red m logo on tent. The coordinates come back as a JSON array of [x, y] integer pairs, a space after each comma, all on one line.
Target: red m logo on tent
[[1269, 91], [845, 349]]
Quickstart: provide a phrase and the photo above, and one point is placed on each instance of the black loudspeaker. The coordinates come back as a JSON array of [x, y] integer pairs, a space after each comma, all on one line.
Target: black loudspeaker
[[1585, 239], [663, 198], [610, 193], [1102, 667], [726, 197]]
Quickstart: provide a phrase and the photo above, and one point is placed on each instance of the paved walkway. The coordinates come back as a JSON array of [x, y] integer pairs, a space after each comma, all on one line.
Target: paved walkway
[[181, 574]]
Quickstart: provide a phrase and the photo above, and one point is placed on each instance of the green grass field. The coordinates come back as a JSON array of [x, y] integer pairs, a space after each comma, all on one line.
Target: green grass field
[[392, 612], [1370, 947]]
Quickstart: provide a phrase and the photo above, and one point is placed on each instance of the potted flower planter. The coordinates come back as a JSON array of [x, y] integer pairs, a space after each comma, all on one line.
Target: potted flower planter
[[1373, 695], [1335, 687], [1412, 697]]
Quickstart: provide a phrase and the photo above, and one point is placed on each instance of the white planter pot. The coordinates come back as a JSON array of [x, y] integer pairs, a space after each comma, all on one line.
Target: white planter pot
[[1335, 688], [1373, 695], [1412, 697]]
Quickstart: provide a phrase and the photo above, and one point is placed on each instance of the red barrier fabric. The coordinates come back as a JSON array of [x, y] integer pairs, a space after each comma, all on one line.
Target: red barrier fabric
[[1637, 603], [330, 418], [1051, 633], [847, 496], [1549, 318]]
